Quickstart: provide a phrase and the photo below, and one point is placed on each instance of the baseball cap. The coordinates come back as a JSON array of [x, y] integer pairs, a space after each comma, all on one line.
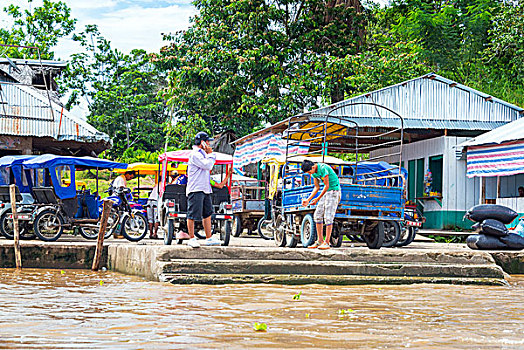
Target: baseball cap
[[202, 136]]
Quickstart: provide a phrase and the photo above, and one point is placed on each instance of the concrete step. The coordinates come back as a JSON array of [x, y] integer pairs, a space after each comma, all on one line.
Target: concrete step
[[356, 254], [325, 268], [325, 279]]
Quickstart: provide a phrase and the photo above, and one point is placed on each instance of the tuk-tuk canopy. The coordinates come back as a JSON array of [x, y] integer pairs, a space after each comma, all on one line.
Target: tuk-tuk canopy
[[183, 156], [12, 160], [144, 168], [52, 160]]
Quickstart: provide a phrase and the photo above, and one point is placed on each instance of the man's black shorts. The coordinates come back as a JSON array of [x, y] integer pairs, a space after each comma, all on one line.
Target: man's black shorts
[[199, 205]]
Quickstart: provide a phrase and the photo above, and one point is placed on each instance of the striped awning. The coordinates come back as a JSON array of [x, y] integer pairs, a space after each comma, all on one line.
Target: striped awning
[[265, 145], [496, 160]]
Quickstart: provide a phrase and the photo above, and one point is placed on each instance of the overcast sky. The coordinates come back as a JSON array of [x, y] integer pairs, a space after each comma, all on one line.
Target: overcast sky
[[128, 24]]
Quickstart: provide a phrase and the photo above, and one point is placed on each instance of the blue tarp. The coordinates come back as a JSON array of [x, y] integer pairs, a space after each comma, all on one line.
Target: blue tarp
[[51, 161], [378, 169]]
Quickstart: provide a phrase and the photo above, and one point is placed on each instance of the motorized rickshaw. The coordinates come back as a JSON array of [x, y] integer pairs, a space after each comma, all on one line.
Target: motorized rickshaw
[[64, 206], [370, 201], [173, 201], [248, 199], [11, 172]]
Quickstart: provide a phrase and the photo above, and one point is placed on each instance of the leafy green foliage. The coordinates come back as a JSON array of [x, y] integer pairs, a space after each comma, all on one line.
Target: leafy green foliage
[[41, 27], [247, 62], [121, 91]]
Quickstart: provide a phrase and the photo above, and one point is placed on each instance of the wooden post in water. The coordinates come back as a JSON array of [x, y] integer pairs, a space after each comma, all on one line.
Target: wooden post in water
[[103, 226], [16, 231]]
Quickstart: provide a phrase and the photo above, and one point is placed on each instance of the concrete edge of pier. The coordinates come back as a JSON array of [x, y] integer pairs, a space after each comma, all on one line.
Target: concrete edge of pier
[[222, 265]]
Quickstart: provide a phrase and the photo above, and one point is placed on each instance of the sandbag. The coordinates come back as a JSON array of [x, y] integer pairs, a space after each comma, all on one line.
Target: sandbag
[[513, 240], [493, 227], [485, 242], [476, 227], [482, 212]]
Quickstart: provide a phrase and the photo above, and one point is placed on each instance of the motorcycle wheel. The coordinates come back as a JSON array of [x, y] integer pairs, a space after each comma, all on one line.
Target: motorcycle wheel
[[237, 226], [407, 236], [48, 225], [280, 233], [134, 229], [263, 231], [225, 233], [6, 227], [168, 236]]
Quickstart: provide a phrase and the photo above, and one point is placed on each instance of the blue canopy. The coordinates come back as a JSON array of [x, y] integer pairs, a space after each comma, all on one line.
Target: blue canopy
[[51, 161], [12, 160]]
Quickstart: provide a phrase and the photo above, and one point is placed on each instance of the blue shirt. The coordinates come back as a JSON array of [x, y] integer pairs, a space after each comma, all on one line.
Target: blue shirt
[[181, 180], [198, 171]]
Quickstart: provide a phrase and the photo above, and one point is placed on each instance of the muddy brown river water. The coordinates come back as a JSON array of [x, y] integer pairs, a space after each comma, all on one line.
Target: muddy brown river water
[[76, 309]]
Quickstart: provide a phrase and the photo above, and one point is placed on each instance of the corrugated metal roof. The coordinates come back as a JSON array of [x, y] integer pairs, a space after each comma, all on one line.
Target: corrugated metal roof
[[24, 111], [32, 62], [416, 123], [508, 132], [429, 102]]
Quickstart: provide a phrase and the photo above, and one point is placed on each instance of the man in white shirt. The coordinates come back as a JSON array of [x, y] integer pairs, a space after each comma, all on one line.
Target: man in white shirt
[[122, 180], [198, 190]]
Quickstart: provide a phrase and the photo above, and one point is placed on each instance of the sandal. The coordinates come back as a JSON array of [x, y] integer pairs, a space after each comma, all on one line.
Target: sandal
[[315, 245], [324, 246]]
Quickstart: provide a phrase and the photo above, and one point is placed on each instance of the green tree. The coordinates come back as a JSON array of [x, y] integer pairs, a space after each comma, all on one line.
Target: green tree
[[246, 62], [451, 34], [121, 91], [40, 27]]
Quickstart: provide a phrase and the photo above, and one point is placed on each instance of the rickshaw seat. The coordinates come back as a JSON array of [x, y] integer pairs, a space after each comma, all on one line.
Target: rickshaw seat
[[5, 196], [44, 195], [177, 193], [220, 195]]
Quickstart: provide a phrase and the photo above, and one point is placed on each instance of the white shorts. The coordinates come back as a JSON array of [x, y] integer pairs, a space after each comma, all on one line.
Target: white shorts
[[152, 211], [327, 207]]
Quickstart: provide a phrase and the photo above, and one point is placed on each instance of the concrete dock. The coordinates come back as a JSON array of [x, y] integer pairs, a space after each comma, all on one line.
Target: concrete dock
[[253, 260]]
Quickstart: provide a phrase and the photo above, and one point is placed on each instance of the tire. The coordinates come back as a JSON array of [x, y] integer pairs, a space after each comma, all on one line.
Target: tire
[[48, 225], [263, 231], [89, 232], [391, 233], [6, 227], [280, 233], [336, 238], [199, 235], [293, 241], [308, 231], [407, 236], [237, 226], [134, 229], [168, 236], [375, 238], [225, 233]]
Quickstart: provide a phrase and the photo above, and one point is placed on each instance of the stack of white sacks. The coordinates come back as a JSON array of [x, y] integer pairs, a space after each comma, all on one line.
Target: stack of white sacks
[[492, 233]]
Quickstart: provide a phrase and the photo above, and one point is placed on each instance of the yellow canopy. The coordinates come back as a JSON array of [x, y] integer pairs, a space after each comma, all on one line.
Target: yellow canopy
[[147, 169]]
